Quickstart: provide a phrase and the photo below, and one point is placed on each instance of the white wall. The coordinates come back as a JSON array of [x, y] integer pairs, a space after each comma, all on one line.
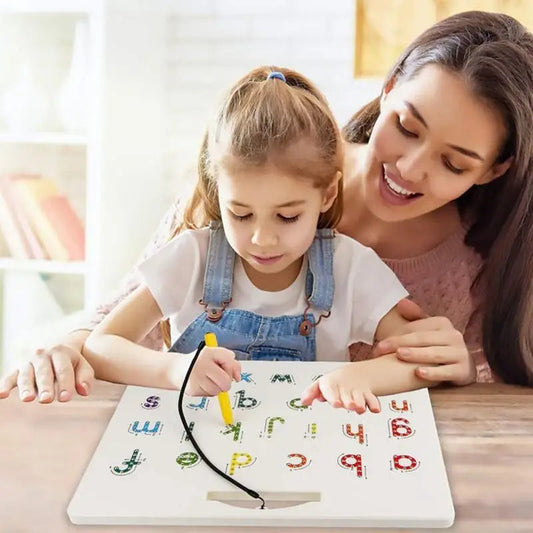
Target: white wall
[[211, 43]]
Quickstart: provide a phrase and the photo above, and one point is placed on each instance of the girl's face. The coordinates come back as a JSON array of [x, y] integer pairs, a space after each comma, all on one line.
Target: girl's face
[[433, 140], [270, 220]]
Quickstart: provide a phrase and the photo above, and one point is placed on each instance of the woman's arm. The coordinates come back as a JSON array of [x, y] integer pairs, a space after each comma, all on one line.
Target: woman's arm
[[61, 366]]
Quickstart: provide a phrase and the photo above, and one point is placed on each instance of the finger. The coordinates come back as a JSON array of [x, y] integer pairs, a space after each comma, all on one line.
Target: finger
[[316, 395], [237, 371], [435, 323], [212, 388], [436, 355], [430, 323], [84, 377], [218, 378], [440, 373], [372, 402], [359, 402], [223, 357], [215, 379], [26, 383], [410, 310], [426, 325], [197, 390], [207, 388], [44, 376], [234, 370], [226, 360], [347, 399], [330, 392], [418, 339], [64, 374], [311, 393], [8, 383]]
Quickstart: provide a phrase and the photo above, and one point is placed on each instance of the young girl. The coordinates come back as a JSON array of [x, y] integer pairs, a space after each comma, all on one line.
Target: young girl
[[268, 275]]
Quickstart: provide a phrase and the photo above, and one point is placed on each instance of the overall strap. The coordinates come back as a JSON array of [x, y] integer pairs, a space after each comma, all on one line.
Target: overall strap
[[319, 282], [218, 279]]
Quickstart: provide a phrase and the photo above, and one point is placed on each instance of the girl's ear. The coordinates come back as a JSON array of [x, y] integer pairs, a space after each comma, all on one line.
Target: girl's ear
[[331, 193], [495, 171]]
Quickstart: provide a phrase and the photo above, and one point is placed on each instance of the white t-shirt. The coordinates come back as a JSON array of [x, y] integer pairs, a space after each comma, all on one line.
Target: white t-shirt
[[365, 290]]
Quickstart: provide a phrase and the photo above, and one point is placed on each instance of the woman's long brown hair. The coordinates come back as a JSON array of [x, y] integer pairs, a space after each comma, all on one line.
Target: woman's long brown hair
[[494, 54]]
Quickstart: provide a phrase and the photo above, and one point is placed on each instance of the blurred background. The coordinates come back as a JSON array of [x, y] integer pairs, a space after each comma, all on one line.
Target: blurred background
[[103, 104]]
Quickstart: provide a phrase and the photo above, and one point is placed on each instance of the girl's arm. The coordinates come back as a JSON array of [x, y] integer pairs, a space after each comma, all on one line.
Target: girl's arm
[[356, 385], [113, 351], [114, 354]]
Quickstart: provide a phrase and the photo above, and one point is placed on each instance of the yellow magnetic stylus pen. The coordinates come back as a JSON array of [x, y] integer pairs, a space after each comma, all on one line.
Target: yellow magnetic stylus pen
[[223, 397]]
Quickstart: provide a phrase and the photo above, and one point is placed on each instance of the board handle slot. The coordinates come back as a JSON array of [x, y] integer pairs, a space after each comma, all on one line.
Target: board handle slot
[[274, 500]]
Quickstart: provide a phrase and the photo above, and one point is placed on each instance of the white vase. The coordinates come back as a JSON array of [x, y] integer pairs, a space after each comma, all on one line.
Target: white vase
[[24, 105], [73, 94]]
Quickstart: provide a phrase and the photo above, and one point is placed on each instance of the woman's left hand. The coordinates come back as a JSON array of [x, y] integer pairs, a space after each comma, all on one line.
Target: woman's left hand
[[431, 341]]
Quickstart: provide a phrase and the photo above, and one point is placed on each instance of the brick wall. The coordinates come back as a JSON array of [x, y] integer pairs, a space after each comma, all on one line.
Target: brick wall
[[211, 43]]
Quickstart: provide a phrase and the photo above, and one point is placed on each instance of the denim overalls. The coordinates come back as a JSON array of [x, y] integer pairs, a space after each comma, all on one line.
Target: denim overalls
[[252, 336]]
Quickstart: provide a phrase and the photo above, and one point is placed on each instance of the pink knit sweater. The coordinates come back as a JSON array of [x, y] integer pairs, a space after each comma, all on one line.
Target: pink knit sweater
[[439, 281]]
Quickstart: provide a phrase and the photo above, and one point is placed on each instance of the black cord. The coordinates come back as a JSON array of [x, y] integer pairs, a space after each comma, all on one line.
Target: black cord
[[248, 491]]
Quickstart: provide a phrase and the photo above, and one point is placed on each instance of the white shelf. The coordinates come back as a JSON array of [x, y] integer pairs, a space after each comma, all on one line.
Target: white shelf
[[52, 138], [113, 175], [43, 266]]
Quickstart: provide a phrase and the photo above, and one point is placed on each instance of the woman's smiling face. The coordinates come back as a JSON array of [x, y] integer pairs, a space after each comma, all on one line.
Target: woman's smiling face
[[433, 140]]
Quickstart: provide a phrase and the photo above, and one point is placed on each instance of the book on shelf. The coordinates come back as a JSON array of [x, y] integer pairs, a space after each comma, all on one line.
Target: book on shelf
[[12, 236], [4, 248], [67, 225], [22, 221], [55, 225]]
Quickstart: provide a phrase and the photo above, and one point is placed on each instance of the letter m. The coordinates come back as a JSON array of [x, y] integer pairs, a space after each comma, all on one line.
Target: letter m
[[282, 377]]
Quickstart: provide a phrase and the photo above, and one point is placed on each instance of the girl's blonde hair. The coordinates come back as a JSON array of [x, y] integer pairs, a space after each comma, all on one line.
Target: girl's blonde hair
[[258, 121], [261, 122]]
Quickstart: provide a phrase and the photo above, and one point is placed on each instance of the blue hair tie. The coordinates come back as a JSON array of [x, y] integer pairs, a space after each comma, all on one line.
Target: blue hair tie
[[277, 75]]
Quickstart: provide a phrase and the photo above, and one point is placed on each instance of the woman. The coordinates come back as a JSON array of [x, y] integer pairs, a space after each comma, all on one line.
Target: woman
[[438, 182]]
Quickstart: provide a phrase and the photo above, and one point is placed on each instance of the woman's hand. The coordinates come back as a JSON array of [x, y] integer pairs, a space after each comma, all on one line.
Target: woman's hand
[[430, 341], [53, 373], [213, 372]]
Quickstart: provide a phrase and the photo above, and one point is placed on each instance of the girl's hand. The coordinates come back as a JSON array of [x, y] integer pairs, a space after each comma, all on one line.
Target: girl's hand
[[430, 341], [213, 372], [54, 373], [345, 387]]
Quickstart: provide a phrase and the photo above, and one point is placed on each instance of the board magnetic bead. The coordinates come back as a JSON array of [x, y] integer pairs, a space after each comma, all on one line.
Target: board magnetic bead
[[315, 466]]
